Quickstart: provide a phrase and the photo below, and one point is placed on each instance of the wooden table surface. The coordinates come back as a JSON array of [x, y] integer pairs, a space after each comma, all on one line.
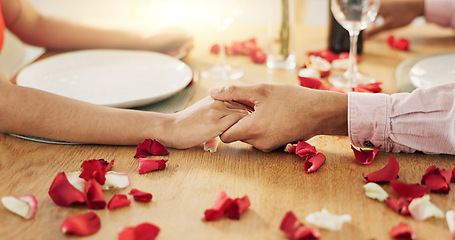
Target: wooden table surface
[[275, 182]]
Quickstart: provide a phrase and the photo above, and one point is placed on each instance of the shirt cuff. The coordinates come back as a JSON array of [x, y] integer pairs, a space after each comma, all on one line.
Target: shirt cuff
[[368, 115], [440, 12]]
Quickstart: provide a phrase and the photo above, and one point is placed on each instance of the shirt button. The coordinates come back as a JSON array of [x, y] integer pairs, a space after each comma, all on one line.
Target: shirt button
[[368, 144]]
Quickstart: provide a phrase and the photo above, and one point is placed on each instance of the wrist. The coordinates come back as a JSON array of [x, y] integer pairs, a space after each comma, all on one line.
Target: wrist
[[334, 114]]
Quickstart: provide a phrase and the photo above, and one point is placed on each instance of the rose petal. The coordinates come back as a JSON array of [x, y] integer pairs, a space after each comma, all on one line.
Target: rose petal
[[309, 73], [212, 145], [314, 83], [143, 231], [373, 190], [324, 219], [365, 157], [94, 195], [387, 173], [402, 231], [237, 207], [401, 206], [312, 163], [453, 176], [150, 147], [118, 200], [422, 208], [390, 40], [408, 191], [369, 87], [402, 44], [294, 229], [63, 193], [304, 149], [147, 165], [24, 206], [76, 181], [95, 169], [450, 217], [116, 180], [290, 148], [222, 202], [325, 54], [140, 195], [437, 179], [82, 225]]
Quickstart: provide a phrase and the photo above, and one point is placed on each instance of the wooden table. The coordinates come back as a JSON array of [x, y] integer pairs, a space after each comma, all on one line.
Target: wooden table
[[275, 182]]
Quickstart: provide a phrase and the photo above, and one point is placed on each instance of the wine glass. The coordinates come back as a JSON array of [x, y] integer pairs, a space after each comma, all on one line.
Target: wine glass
[[223, 13], [354, 16]]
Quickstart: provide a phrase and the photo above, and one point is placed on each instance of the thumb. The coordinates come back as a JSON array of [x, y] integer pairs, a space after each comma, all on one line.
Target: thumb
[[242, 94]]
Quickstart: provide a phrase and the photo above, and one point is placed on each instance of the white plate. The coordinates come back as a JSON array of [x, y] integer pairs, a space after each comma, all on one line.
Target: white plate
[[433, 70], [116, 78]]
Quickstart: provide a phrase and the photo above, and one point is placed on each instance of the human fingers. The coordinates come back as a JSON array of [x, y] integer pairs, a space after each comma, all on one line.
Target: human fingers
[[238, 131], [247, 95]]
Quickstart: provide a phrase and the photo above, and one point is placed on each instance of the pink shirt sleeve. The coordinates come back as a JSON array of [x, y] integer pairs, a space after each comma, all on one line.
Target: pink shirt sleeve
[[423, 120], [441, 12]]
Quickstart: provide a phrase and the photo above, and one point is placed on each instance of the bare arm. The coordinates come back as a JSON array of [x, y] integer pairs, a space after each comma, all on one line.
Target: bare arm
[[36, 29]]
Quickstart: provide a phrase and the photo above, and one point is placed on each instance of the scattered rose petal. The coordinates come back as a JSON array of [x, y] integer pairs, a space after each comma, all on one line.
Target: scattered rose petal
[[24, 206], [94, 195], [258, 56], [290, 148], [409, 191], [373, 190], [320, 64], [118, 200], [76, 181], [453, 176], [326, 54], [312, 163], [326, 220], [401, 206], [304, 149], [422, 208], [402, 231], [340, 64], [150, 147], [63, 193], [400, 44], [387, 173], [82, 225], [143, 231], [95, 169], [437, 179], [295, 230], [365, 157], [450, 217], [309, 73], [212, 145], [237, 207], [147, 165], [313, 83], [116, 180], [140, 195], [368, 88]]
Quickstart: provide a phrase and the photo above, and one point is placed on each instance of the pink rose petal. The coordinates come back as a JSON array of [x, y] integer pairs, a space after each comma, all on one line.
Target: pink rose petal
[[304, 149], [212, 145], [147, 165], [94, 195], [450, 218], [82, 225], [63, 193], [295, 230], [400, 206], [408, 191], [389, 172], [365, 157], [118, 200], [143, 231], [24, 206], [402, 231], [140, 195], [312, 163], [237, 207], [150, 147], [222, 202], [437, 179]]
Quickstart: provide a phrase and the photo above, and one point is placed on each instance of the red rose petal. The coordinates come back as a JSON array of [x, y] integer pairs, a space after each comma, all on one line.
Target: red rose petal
[[258, 56], [147, 165], [390, 40], [140, 195], [143, 231], [408, 191], [437, 179], [222, 202], [314, 83], [304, 149], [326, 54], [365, 157], [94, 195], [312, 163], [387, 173], [82, 225], [290, 148], [95, 169], [237, 207], [402, 44], [63, 193], [400, 206], [118, 200], [402, 231], [369, 88], [294, 229], [453, 176], [150, 147]]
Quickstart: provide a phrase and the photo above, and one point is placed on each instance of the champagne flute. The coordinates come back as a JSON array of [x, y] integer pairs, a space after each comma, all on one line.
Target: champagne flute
[[354, 16], [223, 13]]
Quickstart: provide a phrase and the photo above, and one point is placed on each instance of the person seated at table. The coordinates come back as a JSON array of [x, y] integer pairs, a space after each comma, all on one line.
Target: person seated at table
[[399, 13], [36, 29], [37, 113]]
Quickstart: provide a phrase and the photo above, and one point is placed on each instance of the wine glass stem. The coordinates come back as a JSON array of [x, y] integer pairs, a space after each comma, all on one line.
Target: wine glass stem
[[351, 73], [222, 57]]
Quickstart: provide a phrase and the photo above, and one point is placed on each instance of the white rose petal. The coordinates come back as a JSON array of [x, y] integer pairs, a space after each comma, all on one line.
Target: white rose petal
[[422, 208], [450, 217], [324, 219], [373, 190]]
